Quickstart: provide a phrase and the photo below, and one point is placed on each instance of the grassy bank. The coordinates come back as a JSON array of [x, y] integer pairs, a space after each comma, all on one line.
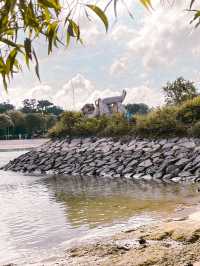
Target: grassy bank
[[167, 121]]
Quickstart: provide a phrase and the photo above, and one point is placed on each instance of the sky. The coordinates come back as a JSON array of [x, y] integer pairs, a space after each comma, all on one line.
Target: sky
[[139, 55]]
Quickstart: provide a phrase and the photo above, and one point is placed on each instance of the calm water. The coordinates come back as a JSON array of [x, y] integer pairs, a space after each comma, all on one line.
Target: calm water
[[40, 214]]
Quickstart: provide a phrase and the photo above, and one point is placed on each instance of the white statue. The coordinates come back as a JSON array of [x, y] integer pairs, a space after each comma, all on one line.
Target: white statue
[[105, 106]]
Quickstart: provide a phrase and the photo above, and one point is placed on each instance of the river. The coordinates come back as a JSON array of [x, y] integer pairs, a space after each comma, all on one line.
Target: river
[[42, 215]]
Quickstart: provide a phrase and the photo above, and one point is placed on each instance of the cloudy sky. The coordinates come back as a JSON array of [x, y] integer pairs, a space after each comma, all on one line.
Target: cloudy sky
[[138, 55]]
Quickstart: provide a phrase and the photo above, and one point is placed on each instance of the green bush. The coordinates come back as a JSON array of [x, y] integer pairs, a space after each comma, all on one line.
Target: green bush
[[90, 126], [168, 121], [195, 130], [189, 111], [160, 122], [75, 124], [66, 125], [117, 126]]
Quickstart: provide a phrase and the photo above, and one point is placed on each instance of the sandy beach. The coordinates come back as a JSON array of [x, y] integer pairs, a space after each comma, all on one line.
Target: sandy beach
[[175, 241], [23, 144]]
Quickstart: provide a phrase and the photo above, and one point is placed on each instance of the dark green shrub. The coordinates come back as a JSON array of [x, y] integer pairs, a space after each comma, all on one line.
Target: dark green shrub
[[75, 124], [189, 112], [90, 126], [195, 130], [168, 121], [160, 122], [117, 126], [66, 125]]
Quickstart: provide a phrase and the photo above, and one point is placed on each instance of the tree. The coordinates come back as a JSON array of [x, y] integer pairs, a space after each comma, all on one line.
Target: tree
[[19, 123], [22, 23], [56, 110], [5, 124], [34, 123], [179, 91], [50, 121], [5, 107], [5, 121], [137, 108], [43, 106], [29, 106]]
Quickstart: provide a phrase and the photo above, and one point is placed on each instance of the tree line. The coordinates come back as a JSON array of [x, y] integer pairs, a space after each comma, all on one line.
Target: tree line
[[33, 119]]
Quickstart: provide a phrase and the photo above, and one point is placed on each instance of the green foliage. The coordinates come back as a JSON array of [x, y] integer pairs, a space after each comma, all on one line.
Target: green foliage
[[90, 126], [43, 106], [35, 117], [34, 123], [5, 107], [19, 122], [196, 18], [179, 91], [137, 108], [116, 126], [55, 110], [168, 121], [189, 112], [160, 122], [66, 126], [5, 121], [75, 124], [23, 22], [29, 106], [195, 130]]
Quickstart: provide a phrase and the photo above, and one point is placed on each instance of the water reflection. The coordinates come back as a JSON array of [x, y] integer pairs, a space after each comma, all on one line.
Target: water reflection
[[94, 201], [39, 213]]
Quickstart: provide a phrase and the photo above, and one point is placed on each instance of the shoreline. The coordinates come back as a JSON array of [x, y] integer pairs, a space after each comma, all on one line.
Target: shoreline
[[174, 241], [21, 144]]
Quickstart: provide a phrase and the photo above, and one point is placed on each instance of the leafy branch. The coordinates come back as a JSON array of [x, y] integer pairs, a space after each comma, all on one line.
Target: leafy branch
[[22, 22]]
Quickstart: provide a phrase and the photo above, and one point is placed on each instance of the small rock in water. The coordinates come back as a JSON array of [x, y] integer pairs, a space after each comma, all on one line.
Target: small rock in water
[[142, 241]]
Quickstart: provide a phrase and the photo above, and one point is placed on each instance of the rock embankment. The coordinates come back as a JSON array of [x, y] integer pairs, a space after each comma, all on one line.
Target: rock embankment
[[175, 159]]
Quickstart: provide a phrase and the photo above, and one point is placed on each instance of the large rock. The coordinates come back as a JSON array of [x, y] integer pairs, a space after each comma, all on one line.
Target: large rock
[[182, 162], [146, 163], [175, 159]]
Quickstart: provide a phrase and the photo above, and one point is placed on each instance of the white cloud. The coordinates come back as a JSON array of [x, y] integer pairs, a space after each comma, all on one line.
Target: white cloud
[[85, 91], [121, 32], [17, 94], [119, 66], [144, 94], [164, 37], [155, 48]]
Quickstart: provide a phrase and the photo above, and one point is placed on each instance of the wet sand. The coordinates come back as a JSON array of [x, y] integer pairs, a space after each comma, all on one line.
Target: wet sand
[[175, 241]]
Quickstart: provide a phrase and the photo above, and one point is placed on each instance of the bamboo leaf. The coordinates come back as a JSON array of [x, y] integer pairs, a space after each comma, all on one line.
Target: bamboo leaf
[[36, 65], [68, 39], [115, 7], [101, 14], [11, 43], [5, 82], [192, 3], [146, 3]]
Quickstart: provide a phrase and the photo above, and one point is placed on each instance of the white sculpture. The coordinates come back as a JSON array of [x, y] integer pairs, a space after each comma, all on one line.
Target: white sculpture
[[105, 106]]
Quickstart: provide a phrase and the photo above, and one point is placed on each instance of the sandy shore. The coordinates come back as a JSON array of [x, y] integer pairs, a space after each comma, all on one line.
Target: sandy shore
[[175, 241], [22, 144]]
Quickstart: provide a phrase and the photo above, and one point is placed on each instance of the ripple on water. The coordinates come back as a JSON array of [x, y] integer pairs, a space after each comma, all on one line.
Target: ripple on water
[[41, 215]]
